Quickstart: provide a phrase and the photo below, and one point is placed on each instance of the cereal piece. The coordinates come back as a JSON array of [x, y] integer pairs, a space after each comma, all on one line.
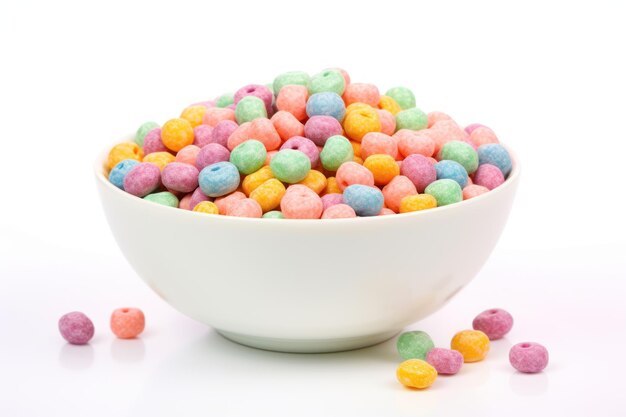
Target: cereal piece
[[387, 122], [304, 145], [315, 180], [300, 202], [389, 104], [529, 357], [338, 211], [188, 154], [160, 159], [320, 128], [473, 190], [286, 125], [398, 188], [152, 142], [119, 172], [293, 99], [127, 323], [203, 135], [194, 114], [417, 202], [246, 207], [197, 197], [274, 214], [445, 131], [225, 100], [215, 115], [445, 361], [143, 130], [211, 154], [219, 179], [488, 176], [336, 151], [250, 108], [142, 179], [122, 151], [249, 156], [76, 328], [470, 128], [451, 170], [291, 78], [360, 122], [462, 153], [344, 74], [437, 116], [357, 106], [482, 135], [403, 96], [416, 373], [268, 194], [445, 191], [185, 201], [361, 93], [327, 81], [495, 154], [414, 345], [411, 142], [351, 173], [252, 181], [495, 323], [331, 186], [222, 131], [385, 212], [329, 200], [256, 90], [290, 166], [365, 200], [326, 104], [224, 203], [206, 207], [176, 134], [378, 143], [384, 168], [180, 177], [412, 118], [472, 344], [164, 198], [420, 170]]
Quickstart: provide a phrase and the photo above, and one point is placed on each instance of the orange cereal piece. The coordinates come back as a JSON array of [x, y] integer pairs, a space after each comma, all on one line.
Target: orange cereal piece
[[384, 168], [252, 181], [363, 93], [122, 151], [264, 131], [214, 115], [176, 134], [332, 187], [292, 98], [286, 125], [269, 194], [239, 135], [359, 122], [127, 323], [315, 180], [417, 202], [160, 159], [472, 344], [356, 147], [358, 160], [378, 143], [387, 122], [389, 104], [194, 114], [416, 373]]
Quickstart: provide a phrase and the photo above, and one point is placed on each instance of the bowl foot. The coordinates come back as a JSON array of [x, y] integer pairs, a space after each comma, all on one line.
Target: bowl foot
[[308, 345]]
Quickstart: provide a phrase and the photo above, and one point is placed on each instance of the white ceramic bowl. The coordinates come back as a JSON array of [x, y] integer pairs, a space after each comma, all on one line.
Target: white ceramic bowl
[[306, 285]]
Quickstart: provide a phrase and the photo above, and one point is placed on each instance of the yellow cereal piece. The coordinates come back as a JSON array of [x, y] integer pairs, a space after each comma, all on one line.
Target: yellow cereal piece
[[472, 344], [207, 207], [361, 121], [252, 181], [356, 147], [416, 373], [176, 134], [358, 160], [332, 187], [389, 104], [315, 180], [194, 114], [357, 106], [417, 202], [122, 151], [384, 168], [159, 158], [269, 194]]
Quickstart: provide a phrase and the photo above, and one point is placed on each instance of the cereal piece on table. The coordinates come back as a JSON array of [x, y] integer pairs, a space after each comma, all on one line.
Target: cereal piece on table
[[127, 323], [414, 345], [365, 200], [445, 361], [143, 130], [403, 96], [445, 191], [122, 151], [416, 373], [290, 166], [495, 323], [472, 344], [529, 357], [164, 198], [76, 328]]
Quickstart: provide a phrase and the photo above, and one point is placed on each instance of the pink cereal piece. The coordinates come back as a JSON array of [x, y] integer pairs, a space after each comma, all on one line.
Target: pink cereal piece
[[304, 145], [350, 173], [473, 190], [211, 154], [398, 188], [142, 179], [300, 202], [329, 200], [242, 133], [222, 131], [264, 131], [180, 177], [445, 131], [378, 143], [245, 207], [76, 328], [437, 116], [269, 157], [320, 128], [482, 135], [293, 98], [386, 211], [420, 170], [387, 122], [411, 142], [202, 135], [488, 176], [153, 143], [188, 154], [339, 211], [445, 361], [495, 323], [470, 128], [256, 90], [185, 201], [529, 357], [224, 203], [214, 115], [197, 197], [286, 125], [207, 104], [361, 93]]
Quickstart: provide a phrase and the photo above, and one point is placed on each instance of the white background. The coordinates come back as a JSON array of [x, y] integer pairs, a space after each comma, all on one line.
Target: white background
[[549, 78]]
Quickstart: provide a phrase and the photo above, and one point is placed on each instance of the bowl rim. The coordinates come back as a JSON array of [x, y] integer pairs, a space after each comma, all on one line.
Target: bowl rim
[[100, 168]]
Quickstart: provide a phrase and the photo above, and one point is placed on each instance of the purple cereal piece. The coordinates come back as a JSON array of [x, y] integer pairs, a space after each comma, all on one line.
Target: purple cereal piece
[[179, 176], [529, 357], [445, 361], [222, 131], [488, 176], [76, 328], [495, 323], [152, 142], [470, 128], [256, 90], [142, 179], [420, 170], [304, 145], [320, 128], [332, 199], [211, 154], [197, 197], [203, 135]]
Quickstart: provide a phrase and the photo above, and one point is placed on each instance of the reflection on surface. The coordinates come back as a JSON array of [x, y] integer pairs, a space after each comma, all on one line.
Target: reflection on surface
[[128, 350], [76, 356], [529, 384]]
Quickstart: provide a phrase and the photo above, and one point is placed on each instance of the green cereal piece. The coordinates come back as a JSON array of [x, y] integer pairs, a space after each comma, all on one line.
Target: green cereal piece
[[403, 96], [270, 86], [274, 214], [290, 166], [291, 78], [143, 131], [413, 119], [248, 156], [336, 151], [165, 198], [225, 100], [445, 191], [460, 152], [414, 345], [250, 108], [327, 81]]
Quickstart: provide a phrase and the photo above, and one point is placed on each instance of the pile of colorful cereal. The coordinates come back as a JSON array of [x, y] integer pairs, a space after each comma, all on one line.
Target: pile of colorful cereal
[[307, 148]]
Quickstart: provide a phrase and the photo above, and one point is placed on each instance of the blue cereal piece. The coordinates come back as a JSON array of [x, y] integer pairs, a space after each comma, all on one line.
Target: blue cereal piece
[[119, 171], [495, 154], [326, 104], [219, 179], [365, 200], [451, 170]]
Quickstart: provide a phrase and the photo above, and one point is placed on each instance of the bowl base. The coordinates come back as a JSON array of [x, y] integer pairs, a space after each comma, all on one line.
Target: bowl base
[[308, 345]]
